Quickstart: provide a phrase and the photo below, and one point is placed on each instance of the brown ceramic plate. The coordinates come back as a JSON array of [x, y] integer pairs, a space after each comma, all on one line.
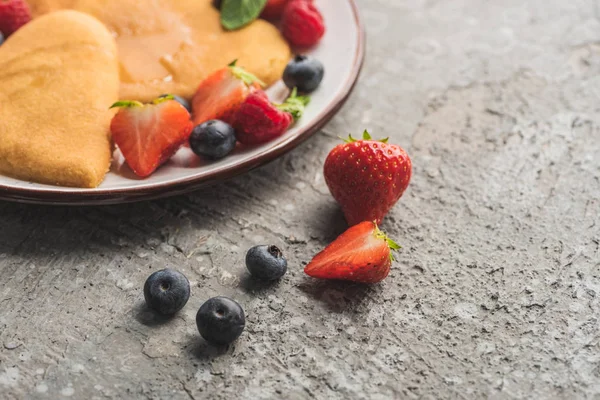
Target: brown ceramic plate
[[341, 51]]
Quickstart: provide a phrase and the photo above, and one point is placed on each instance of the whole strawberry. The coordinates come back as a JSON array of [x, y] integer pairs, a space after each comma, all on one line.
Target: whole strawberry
[[367, 177], [302, 23], [13, 15], [258, 120]]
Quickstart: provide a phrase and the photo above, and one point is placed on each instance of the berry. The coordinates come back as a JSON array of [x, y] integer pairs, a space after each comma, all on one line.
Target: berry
[[259, 121], [149, 134], [220, 320], [304, 73], [367, 177], [302, 24], [13, 15], [273, 9], [213, 139], [167, 291], [180, 100], [266, 262], [220, 95], [1, 38], [361, 254]]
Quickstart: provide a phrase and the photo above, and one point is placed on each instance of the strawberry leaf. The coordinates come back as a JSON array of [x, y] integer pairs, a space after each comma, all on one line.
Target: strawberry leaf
[[163, 98], [365, 136], [390, 242], [127, 104], [238, 13], [247, 77], [294, 104]]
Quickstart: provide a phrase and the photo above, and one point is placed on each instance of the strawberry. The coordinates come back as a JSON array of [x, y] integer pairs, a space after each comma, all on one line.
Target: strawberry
[[258, 120], [273, 9], [302, 24], [367, 177], [149, 134], [220, 95], [13, 15], [361, 254]]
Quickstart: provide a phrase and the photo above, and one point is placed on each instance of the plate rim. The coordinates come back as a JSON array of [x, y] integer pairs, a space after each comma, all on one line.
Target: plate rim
[[160, 190]]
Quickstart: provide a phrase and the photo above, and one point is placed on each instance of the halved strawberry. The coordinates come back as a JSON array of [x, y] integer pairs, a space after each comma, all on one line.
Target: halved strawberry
[[220, 95], [149, 134], [258, 120], [361, 254]]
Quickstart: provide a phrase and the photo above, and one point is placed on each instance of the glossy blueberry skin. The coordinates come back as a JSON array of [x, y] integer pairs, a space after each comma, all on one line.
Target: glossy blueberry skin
[[266, 262], [213, 139], [166, 291], [1, 38], [181, 101], [220, 320], [304, 73]]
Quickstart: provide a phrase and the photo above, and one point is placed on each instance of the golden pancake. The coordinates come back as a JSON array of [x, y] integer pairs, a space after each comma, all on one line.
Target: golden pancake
[[169, 46], [58, 76]]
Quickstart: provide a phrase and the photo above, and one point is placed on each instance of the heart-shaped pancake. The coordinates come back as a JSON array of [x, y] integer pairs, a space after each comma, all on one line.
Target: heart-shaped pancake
[[170, 46], [58, 77]]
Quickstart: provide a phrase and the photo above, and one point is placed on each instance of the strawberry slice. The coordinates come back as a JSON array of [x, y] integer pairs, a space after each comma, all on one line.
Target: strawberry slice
[[361, 254], [220, 95], [149, 134]]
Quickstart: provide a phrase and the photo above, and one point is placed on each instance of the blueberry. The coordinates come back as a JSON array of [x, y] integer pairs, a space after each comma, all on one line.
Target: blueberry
[[180, 100], [1, 38], [213, 139], [166, 291], [220, 320], [266, 262], [303, 72]]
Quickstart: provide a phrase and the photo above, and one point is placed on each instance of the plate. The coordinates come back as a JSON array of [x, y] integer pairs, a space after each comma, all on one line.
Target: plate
[[341, 51]]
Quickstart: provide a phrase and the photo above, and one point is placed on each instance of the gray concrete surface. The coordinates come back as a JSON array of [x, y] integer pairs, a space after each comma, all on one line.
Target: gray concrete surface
[[496, 292]]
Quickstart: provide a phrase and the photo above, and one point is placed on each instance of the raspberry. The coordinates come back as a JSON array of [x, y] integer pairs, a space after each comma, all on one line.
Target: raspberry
[[13, 15], [302, 23]]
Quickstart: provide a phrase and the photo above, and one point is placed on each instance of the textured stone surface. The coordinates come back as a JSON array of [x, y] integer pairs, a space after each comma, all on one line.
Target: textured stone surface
[[496, 292]]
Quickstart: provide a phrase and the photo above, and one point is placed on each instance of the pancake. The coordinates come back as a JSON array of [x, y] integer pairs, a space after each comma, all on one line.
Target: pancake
[[58, 77], [170, 46]]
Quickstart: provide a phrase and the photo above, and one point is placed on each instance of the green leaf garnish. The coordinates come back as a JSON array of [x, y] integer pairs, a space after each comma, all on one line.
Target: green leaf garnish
[[236, 14], [127, 104], [294, 104]]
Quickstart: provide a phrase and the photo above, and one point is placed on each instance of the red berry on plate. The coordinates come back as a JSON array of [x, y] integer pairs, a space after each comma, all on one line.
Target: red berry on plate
[[220, 95], [273, 9], [13, 15], [361, 254], [302, 24], [259, 121], [367, 177], [149, 134]]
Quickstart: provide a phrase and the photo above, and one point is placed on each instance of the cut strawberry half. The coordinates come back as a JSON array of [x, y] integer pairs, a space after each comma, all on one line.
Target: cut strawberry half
[[361, 254], [220, 95], [149, 134], [258, 120]]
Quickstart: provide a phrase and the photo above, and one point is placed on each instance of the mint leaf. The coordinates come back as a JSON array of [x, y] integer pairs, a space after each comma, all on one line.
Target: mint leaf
[[238, 13]]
